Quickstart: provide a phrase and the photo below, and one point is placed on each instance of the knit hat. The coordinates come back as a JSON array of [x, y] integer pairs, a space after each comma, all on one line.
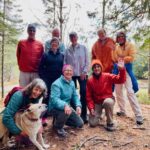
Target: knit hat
[[96, 62], [54, 39], [31, 27]]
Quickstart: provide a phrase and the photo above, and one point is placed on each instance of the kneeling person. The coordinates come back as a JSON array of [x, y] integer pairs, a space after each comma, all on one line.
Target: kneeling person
[[99, 93], [63, 92]]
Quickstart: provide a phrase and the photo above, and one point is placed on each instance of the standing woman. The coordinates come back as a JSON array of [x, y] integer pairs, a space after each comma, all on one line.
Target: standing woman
[[21, 99], [51, 65]]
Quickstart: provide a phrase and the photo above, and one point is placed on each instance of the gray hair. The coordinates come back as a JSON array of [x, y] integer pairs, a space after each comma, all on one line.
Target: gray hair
[[101, 30], [36, 83]]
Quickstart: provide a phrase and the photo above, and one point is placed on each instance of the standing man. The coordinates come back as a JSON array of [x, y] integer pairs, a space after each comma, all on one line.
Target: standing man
[[127, 51], [55, 33], [102, 50], [29, 53], [77, 56]]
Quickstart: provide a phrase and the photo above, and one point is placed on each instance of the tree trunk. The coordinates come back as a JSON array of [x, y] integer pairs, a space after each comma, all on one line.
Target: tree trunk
[[149, 73], [61, 18], [103, 13], [2, 54]]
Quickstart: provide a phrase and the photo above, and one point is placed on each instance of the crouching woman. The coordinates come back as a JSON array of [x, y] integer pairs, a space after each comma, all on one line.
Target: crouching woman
[[63, 93], [20, 100]]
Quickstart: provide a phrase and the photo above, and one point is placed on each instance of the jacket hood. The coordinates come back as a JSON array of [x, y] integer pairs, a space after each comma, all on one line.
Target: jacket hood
[[96, 61]]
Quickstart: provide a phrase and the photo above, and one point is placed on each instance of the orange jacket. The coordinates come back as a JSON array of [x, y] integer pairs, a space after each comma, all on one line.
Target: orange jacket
[[103, 52]]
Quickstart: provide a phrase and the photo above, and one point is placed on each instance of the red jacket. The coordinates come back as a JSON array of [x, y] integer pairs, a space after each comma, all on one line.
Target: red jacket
[[98, 89], [29, 53]]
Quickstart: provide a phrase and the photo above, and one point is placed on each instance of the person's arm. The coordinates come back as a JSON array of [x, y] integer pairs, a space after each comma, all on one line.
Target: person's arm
[[13, 106], [62, 48], [86, 66], [89, 99], [55, 99], [47, 46], [93, 52], [18, 52], [65, 57], [121, 77], [42, 67]]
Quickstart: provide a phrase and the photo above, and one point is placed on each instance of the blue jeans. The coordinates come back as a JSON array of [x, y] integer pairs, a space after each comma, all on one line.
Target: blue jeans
[[62, 119], [82, 84]]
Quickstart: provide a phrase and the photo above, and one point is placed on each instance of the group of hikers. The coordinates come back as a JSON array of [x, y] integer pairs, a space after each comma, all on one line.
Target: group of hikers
[[54, 72]]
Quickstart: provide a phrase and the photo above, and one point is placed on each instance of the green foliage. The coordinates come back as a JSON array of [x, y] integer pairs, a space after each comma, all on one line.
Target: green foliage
[[10, 21], [141, 67], [142, 96]]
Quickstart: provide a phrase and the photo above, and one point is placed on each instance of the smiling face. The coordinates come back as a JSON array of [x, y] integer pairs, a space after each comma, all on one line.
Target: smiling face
[[36, 92], [68, 72], [97, 69], [121, 39], [31, 33], [101, 34], [54, 45]]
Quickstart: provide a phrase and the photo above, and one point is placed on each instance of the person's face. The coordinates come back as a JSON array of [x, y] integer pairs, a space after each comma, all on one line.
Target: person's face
[[31, 33], [56, 33], [121, 39], [68, 73], [74, 39], [97, 69], [54, 45], [101, 35], [36, 92]]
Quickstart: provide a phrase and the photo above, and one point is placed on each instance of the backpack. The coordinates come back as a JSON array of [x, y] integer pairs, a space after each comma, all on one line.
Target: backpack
[[9, 95]]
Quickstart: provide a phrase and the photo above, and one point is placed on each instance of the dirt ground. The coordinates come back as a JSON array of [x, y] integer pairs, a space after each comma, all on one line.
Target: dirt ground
[[128, 136]]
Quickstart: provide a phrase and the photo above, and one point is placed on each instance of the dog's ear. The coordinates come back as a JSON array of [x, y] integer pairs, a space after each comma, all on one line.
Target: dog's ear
[[41, 100]]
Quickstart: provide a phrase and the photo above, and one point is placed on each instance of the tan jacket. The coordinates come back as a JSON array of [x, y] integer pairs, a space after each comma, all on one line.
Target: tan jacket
[[127, 52]]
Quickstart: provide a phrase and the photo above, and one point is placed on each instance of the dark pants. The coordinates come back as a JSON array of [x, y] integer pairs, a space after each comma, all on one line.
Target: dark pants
[[82, 84], [62, 119]]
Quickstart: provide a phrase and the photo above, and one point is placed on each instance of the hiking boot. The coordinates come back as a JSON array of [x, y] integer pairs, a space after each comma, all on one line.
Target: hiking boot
[[120, 113], [139, 120], [61, 132], [110, 127]]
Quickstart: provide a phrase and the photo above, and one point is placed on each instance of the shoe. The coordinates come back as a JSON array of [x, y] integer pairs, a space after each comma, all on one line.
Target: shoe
[[85, 121], [61, 132], [110, 127], [139, 120], [120, 113]]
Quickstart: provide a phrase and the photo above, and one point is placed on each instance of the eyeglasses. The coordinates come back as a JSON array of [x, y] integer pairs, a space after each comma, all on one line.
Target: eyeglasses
[[68, 70]]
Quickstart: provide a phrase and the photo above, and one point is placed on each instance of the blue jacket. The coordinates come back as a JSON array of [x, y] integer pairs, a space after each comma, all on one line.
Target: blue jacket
[[17, 102], [50, 67], [48, 47], [62, 93], [131, 74]]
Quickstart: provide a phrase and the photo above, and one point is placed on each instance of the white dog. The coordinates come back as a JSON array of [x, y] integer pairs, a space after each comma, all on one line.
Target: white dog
[[29, 122]]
